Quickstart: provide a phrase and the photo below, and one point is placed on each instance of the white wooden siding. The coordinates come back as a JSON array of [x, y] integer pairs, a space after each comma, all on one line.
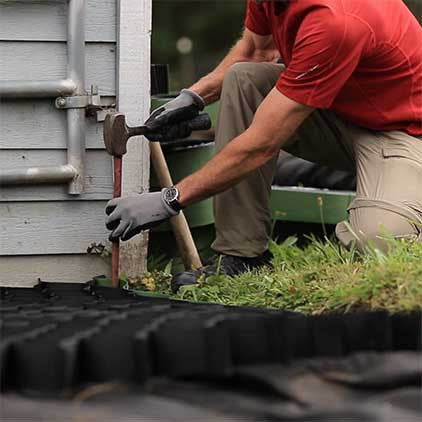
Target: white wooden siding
[[98, 176], [46, 20], [34, 228], [48, 60], [37, 124], [44, 232], [24, 271]]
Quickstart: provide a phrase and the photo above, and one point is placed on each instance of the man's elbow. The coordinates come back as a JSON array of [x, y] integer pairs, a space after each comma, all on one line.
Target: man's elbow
[[260, 145], [271, 149], [267, 150]]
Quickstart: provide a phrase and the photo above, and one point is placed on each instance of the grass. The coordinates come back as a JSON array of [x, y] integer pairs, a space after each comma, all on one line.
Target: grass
[[321, 277]]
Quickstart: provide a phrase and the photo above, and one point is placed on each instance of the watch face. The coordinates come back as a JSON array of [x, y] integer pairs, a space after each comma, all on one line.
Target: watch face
[[171, 194]]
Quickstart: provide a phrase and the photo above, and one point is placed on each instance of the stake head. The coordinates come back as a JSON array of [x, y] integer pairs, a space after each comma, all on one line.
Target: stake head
[[116, 134]]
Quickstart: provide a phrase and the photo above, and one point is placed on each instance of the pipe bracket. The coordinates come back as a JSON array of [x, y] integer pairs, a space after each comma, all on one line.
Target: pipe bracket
[[92, 103], [92, 100]]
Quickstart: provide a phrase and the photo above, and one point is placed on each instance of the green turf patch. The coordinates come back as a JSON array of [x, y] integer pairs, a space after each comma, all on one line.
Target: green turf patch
[[321, 277]]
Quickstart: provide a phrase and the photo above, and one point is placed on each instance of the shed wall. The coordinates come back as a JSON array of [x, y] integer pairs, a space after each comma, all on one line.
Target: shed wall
[[44, 232]]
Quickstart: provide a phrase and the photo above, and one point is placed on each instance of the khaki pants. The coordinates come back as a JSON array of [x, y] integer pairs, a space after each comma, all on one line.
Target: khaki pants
[[388, 166]]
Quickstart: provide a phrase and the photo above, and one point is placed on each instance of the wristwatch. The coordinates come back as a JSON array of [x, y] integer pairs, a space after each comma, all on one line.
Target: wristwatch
[[171, 198]]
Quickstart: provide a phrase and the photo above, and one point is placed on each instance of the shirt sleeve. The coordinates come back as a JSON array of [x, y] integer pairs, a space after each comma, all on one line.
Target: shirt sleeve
[[256, 19], [326, 52]]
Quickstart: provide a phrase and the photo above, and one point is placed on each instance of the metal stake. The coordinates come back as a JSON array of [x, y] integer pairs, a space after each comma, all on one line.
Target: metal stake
[[117, 193]]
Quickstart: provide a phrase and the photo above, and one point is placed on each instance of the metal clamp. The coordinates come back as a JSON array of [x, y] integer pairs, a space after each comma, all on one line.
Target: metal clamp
[[80, 101], [92, 103]]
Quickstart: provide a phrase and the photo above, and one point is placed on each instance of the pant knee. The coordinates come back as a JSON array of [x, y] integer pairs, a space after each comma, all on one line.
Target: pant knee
[[372, 226], [240, 71], [245, 87], [244, 75]]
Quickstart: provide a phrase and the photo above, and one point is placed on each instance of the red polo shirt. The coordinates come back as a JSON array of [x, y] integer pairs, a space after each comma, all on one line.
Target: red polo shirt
[[360, 58]]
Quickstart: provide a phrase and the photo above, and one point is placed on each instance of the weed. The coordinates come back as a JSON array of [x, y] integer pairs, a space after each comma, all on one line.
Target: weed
[[99, 249], [321, 277]]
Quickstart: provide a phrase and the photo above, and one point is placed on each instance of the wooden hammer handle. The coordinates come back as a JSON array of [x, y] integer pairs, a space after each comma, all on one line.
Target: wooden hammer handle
[[179, 224]]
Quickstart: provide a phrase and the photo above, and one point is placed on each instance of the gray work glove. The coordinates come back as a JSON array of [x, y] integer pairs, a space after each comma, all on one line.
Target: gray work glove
[[129, 216], [183, 108]]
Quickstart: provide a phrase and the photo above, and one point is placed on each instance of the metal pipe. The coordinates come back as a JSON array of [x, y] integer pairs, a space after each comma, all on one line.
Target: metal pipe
[[73, 172], [76, 73], [37, 89], [50, 174]]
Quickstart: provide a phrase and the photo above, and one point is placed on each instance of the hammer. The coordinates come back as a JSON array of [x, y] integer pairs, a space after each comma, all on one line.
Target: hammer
[[116, 136]]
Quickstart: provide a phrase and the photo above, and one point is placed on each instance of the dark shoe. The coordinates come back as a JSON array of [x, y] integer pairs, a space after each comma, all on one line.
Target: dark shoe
[[221, 264]]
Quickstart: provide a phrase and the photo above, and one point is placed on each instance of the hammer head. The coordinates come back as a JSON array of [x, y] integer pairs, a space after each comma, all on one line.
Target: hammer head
[[116, 134]]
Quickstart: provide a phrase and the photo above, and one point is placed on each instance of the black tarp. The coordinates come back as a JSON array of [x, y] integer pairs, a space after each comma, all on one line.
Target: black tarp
[[295, 171]]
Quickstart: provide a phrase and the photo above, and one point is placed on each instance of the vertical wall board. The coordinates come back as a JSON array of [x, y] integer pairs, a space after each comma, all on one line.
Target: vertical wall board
[[133, 87]]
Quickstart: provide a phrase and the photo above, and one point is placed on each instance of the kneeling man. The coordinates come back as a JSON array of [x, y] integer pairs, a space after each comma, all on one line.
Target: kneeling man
[[347, 94]]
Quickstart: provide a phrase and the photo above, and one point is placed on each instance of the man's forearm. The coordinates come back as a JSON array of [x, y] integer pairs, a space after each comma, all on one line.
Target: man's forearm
[[228, 167], [246, 153], [245, 50]]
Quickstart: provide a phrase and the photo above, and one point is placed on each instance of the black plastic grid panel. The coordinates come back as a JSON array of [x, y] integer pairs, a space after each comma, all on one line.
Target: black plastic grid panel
[[58, 337]]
